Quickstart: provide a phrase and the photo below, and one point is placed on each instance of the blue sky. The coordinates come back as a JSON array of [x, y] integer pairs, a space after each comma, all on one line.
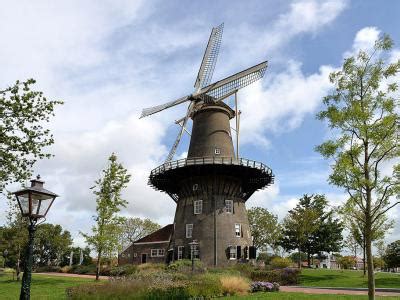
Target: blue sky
[[107, 60]]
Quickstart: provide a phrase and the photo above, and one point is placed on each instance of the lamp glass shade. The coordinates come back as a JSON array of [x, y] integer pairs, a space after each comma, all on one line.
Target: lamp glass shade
[[34, 204], [23, 200], [40, 204]]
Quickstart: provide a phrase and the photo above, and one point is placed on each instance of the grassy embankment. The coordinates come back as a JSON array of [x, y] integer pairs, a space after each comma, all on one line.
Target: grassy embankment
[[346, 278], [42, 286]]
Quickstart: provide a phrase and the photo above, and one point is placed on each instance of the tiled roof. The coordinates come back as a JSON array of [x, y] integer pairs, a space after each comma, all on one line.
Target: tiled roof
[[163, 234]]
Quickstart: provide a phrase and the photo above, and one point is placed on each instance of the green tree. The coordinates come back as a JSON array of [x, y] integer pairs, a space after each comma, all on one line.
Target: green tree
[[23, 136], [347, 262], [392, 255], [300, 223], [51, 244], [264, 227], [362, 112], [321, 231], [133, 229], [107, 228]]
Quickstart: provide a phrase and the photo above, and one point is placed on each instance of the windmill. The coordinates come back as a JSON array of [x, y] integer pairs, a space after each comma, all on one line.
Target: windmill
[[204, 92]]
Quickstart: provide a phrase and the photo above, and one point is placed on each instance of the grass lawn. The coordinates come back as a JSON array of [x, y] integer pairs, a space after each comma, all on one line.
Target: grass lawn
[[42, 286], [301, 296], [346, 278]]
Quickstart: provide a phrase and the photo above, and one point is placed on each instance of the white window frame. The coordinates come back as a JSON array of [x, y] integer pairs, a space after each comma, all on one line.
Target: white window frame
[[232, 252], [189, 231], [157, 252], [217, 151], [180, 252], [238, 233], [153, 252], [197, 207], [229, 208]]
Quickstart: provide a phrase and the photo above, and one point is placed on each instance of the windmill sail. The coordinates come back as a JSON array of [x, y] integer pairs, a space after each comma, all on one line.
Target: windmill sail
[[178, 138], [228, 85], [210, 58], [155, 109]]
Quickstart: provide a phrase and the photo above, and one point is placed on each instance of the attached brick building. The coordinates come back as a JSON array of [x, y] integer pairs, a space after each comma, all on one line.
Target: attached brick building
[[150, 249]]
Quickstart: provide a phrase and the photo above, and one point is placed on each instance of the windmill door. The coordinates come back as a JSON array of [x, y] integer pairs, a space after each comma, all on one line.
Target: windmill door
[[144, 258]]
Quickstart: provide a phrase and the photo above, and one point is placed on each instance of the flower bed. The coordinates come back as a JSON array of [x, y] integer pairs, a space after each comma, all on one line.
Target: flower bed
[[263, 286]]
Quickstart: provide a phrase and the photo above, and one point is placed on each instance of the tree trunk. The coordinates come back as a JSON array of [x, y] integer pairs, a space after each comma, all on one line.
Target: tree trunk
[[308, 259], [299, 261], [370, 261], [364, 260], [98, 265]]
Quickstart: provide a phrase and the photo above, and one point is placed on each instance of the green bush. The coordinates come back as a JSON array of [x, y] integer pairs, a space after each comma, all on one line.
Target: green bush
[[81, 269], [45, 269], [124, 270], [244, 269], [282, 276], [280, 262], [185, 266]]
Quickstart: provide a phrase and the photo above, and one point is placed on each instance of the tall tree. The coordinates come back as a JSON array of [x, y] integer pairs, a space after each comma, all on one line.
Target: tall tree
[[298, 225], [23, 113], [265, 228], [51, 244], [107, 189], [362, 112], [133, 229], [392, 255], [324, 233]]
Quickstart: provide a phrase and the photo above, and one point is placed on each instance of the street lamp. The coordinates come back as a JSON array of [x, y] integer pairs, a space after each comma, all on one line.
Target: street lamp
[[34, 203], [194, 251]]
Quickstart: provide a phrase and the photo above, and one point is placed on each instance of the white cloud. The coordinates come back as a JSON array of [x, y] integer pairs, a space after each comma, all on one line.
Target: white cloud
[[283, 103]]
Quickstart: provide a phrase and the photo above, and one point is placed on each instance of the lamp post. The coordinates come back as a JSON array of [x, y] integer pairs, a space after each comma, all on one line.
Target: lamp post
[[193, 251], [34, 203]]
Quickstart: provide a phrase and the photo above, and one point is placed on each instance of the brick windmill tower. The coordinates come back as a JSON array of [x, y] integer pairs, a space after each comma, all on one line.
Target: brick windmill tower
[[210, 186]]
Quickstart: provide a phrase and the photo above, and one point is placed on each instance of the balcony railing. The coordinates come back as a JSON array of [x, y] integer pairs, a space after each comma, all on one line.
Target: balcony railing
[[210, 161]]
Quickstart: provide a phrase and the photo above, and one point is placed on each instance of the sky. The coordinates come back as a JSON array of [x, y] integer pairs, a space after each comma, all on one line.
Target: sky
[[107, 60]]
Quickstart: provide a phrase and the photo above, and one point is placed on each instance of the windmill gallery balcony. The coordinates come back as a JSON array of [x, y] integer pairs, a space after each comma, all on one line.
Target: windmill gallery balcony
[[253, 175]]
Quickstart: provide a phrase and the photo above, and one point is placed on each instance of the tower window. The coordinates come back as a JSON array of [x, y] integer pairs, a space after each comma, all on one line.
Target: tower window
[[232, 252], [189, 230], [229, 206], [217, 151], [197, 207], [195, 187], [238, 230]]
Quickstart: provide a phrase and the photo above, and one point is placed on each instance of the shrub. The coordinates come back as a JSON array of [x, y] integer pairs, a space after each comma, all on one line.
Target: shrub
[[244, 269], [150, 267], [81, 269], [280, 262], [232, 285], [261, 286], [124, 270], [44, 269], [204, 285], [266, 258], [185, 266], [282, 276], [65, 269]]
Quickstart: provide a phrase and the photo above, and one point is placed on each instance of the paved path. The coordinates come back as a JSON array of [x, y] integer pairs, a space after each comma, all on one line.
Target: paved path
[[338, 291], [73, 275]]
